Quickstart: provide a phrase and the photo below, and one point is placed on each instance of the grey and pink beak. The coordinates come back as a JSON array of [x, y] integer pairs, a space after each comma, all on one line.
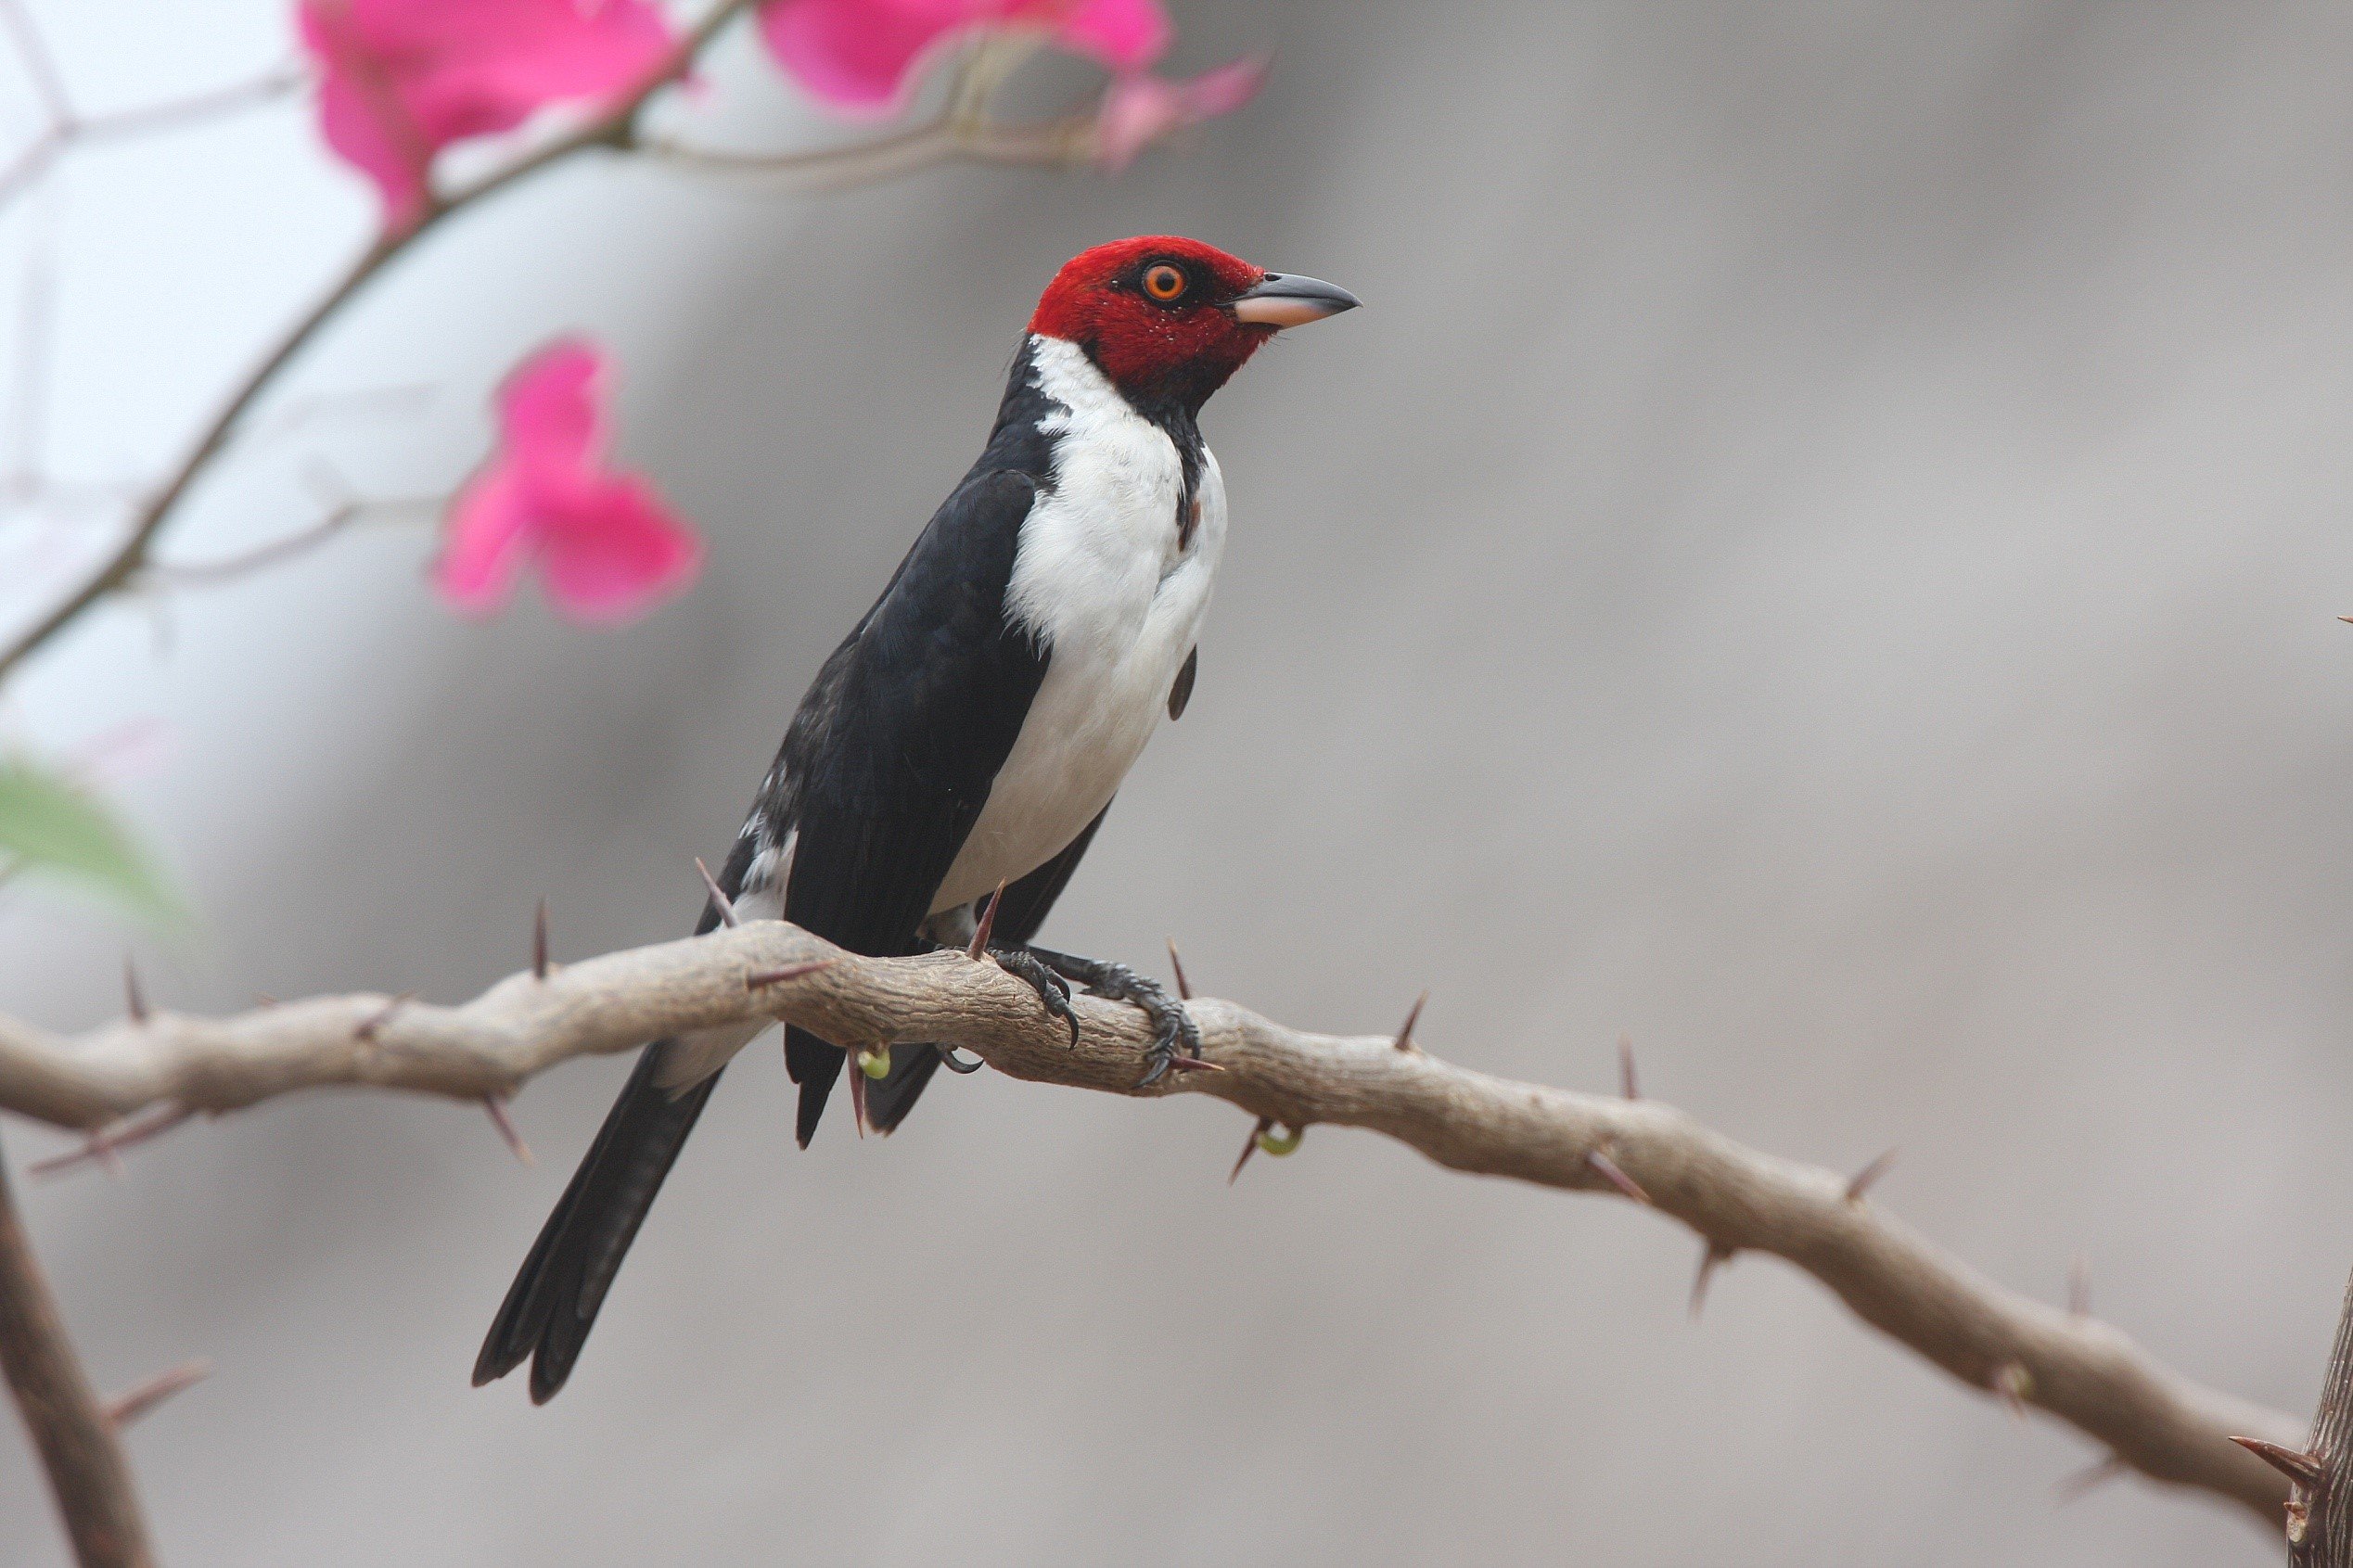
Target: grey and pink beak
[[1288, 300]]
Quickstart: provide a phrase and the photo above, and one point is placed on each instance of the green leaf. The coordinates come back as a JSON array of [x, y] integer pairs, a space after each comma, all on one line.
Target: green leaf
[[47, 824]]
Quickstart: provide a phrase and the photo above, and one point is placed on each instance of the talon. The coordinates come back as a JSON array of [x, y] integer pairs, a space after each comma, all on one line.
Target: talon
[[1172, 1028], [1053, 991], [955, 1064]]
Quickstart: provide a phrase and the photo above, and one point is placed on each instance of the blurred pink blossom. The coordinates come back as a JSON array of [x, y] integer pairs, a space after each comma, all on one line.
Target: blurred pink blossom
[[399, 79], [1140, 108], [860, 56], [607, 547]]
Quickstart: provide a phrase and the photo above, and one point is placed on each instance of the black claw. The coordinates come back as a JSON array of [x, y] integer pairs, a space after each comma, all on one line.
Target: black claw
[[1172, 1026], [1053, 990]]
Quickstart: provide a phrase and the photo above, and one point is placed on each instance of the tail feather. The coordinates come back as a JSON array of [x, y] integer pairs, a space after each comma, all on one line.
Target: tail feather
[[814, 1066], [553, 1302], [889, 1101]]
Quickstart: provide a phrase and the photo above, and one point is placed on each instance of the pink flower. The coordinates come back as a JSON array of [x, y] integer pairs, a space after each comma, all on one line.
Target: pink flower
[[1138, 109], [860, 55], [607, 547], [402, 79]]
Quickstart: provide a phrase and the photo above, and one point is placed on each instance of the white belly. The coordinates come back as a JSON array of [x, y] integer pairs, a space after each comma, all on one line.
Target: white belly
[[1101, 581]]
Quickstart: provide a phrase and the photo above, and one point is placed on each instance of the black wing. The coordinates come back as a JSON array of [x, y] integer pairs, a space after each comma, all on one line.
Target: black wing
[[892, 756]]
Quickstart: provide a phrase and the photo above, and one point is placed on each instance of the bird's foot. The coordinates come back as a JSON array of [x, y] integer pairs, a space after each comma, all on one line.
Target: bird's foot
[[1023, 963], [1172, 1028]]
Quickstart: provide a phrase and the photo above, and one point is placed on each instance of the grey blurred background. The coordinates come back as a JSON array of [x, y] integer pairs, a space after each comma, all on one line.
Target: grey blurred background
[[1822, 555]]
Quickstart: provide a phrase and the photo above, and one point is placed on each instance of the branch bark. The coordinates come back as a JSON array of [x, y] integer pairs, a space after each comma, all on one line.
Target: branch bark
[[68, 1425], [2327, 1516], [2077, 1368], [2319, 1509]]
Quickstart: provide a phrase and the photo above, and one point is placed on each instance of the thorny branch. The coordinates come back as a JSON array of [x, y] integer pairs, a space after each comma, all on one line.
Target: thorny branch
[[2077, 1368], [962, 133], [74, 1432], [2320, 1511]]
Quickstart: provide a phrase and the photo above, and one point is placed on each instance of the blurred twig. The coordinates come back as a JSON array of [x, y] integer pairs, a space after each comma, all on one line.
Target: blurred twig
[[123, 565], [962, 133], [278, 550], [63, 125], [1054, 144], [71, 1428], [2073, 1366]]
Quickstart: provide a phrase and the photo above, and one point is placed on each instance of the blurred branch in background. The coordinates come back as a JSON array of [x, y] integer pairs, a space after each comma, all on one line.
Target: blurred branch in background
[[387, 76], [87, 1470], [64, 126], [78, 1437], [397, 151], [122, 566], [164, 1067]]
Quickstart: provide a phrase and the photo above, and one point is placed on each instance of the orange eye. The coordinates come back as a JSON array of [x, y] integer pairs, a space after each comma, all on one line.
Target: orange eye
[[1164, 282]]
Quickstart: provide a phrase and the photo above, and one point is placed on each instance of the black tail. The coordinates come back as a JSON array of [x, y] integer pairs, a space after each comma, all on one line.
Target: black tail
[[554, 1297]]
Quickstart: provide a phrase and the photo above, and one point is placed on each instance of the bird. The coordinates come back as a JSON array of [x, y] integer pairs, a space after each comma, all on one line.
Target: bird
[[958, 751]]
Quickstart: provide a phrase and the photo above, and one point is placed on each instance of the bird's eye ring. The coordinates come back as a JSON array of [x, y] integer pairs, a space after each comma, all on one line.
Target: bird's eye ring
[[1164, 282]]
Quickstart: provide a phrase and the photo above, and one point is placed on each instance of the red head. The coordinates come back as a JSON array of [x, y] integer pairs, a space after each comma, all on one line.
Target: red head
[[1169, 319]]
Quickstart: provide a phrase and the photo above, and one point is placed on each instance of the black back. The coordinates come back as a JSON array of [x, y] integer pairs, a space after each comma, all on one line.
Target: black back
[[884, 767]]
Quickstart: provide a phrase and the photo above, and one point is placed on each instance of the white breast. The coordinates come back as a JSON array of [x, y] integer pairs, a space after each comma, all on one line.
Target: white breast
[[1101, 581]]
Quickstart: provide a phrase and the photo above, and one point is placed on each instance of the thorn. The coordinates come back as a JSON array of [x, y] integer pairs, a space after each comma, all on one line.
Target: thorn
[[955, 1064], [1194, 1064], [760, 977], [496, 1105], [103, 1144], [1250, 1147], [1404, 1040], [988, 926], [1865, 1178], [2091, 1477], [1712, 1256], [2080, 1287], [2304, 1470], [381, 1017], [1184, 986], [132, 998], [2012, 1384], [1625, 1084], [133, 1403], [539, 942], [1610, 1171], [718, 900]]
